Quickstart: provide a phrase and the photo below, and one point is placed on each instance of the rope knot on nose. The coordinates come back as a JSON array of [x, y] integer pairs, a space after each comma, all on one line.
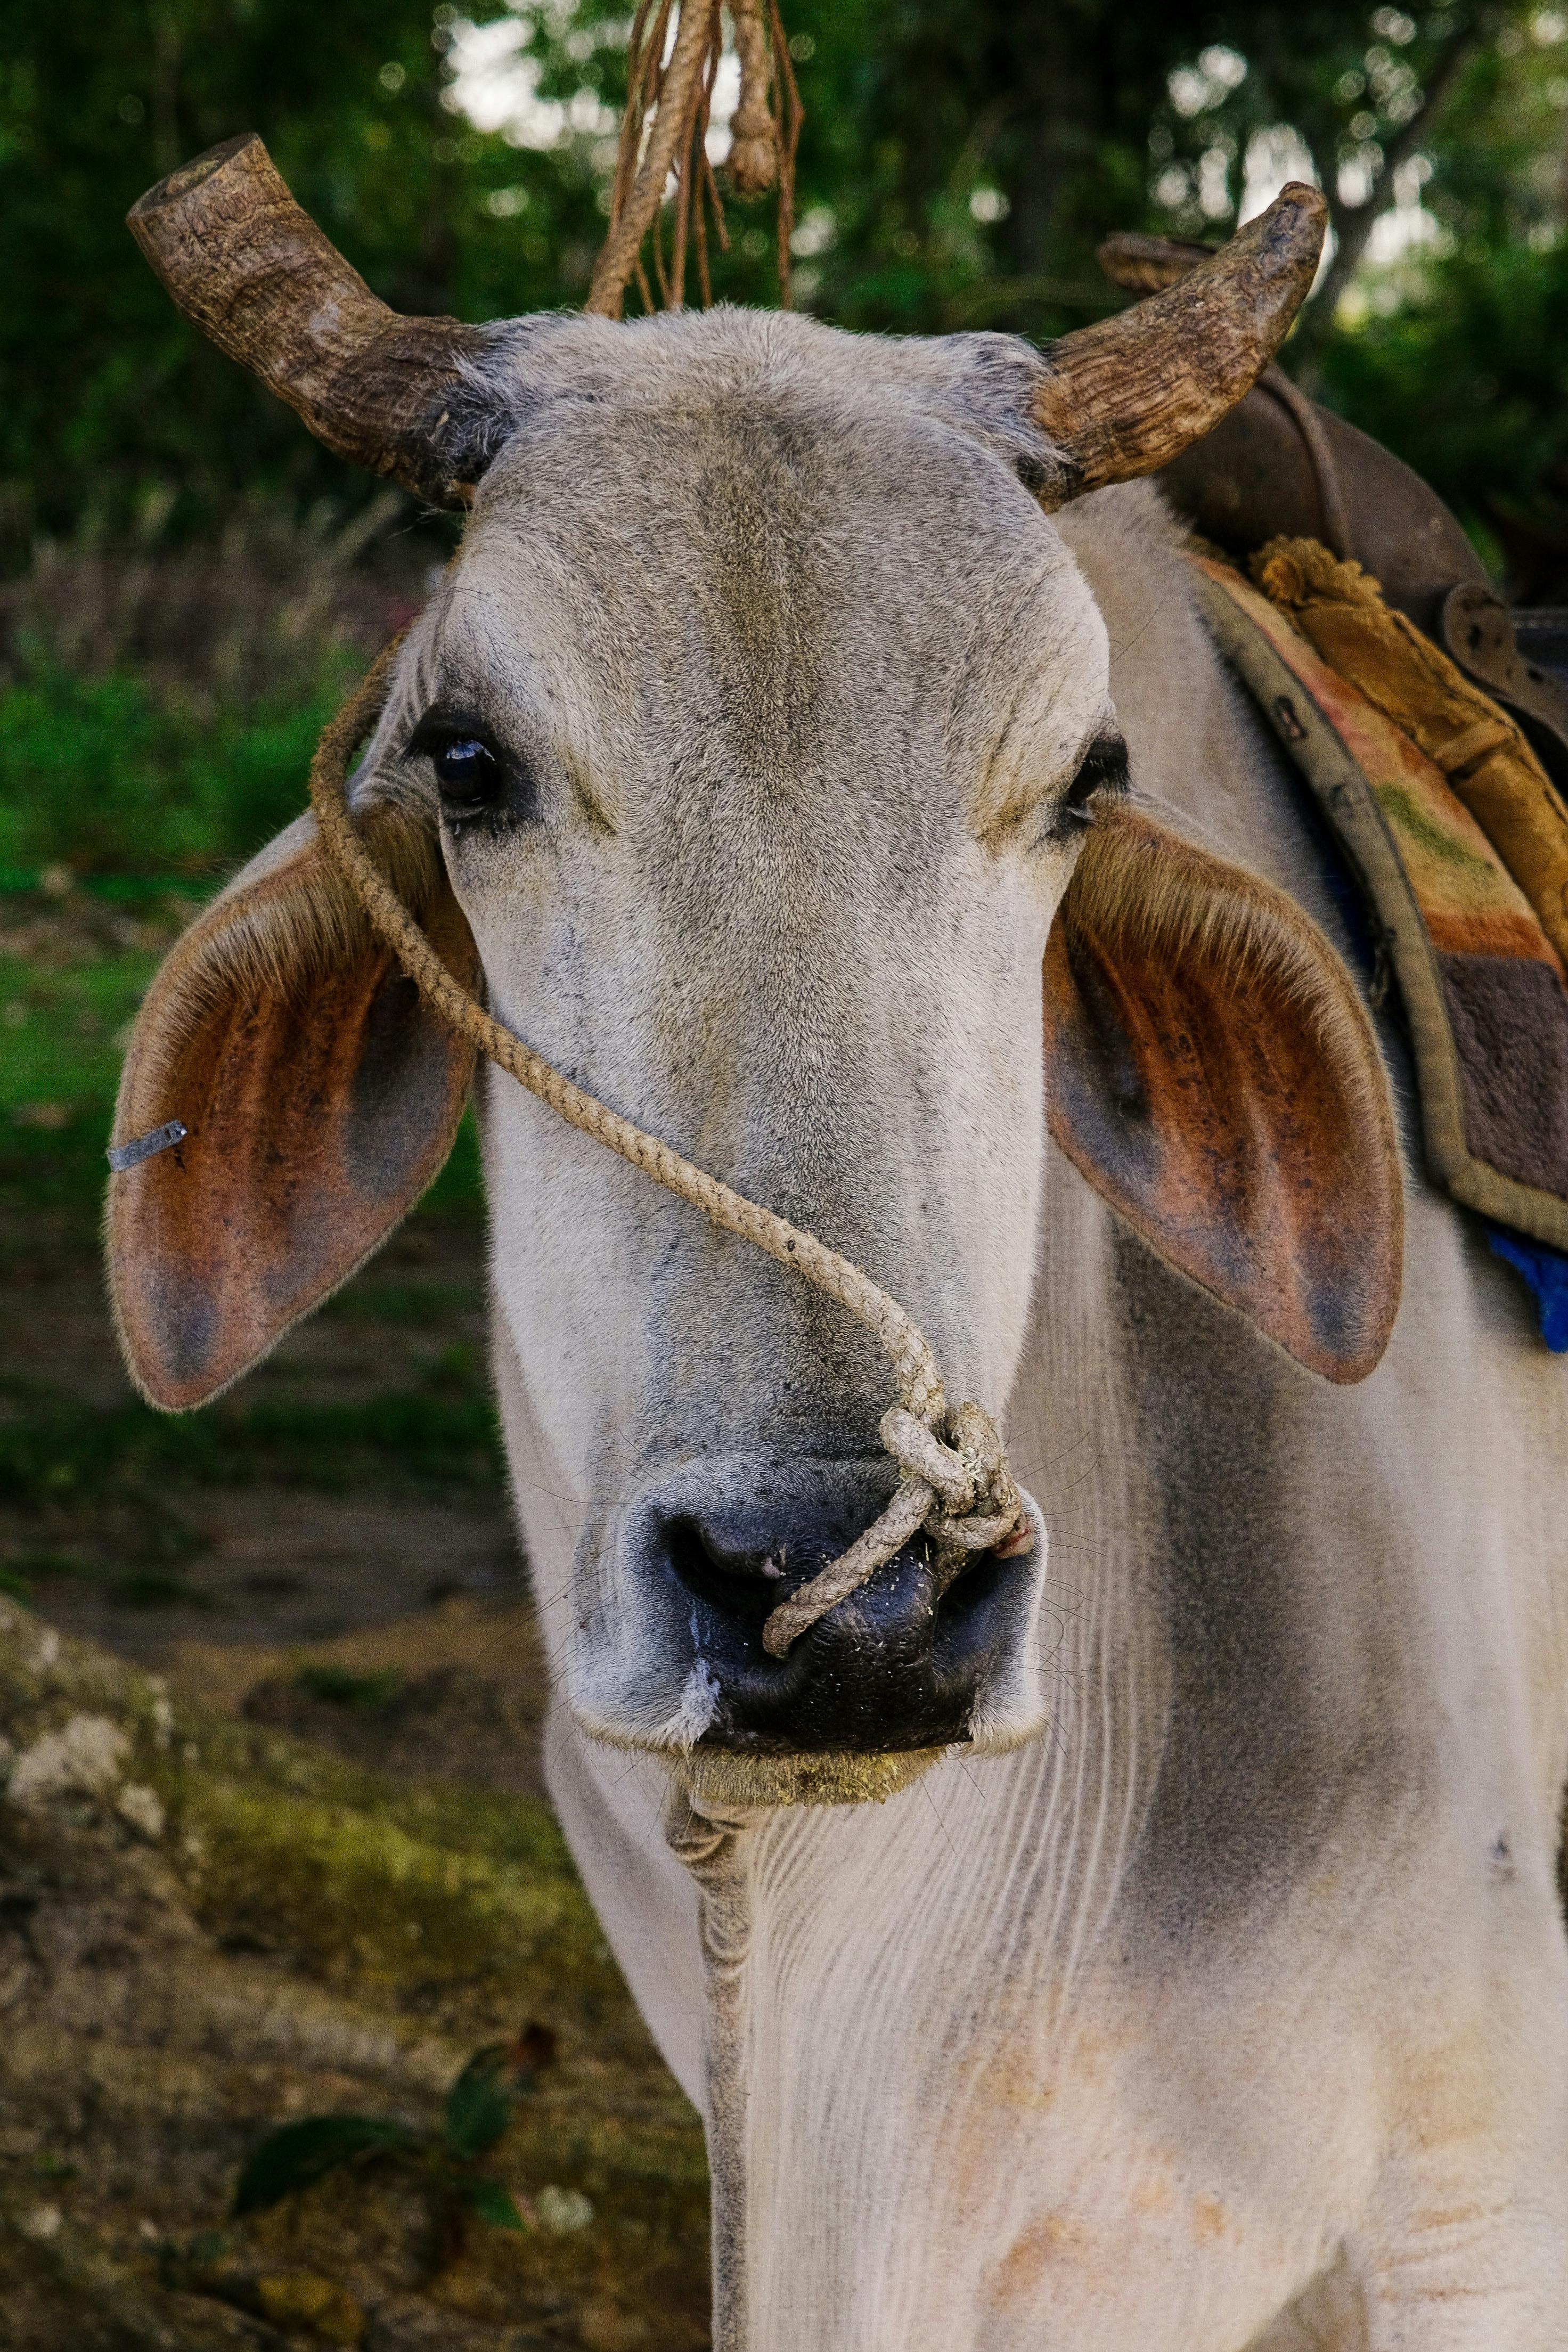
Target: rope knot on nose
[[953, 1479], [953, 1482]]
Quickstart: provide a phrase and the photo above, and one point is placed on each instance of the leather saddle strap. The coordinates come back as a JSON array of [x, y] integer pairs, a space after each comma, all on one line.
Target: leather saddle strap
[[1307, 418]]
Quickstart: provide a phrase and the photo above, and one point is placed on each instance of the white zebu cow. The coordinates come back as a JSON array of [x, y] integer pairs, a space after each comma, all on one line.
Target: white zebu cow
[[1203, 1965]]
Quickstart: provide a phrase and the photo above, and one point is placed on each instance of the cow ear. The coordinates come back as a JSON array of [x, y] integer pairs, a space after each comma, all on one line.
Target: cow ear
[[320, 1096], [1211, 1071]]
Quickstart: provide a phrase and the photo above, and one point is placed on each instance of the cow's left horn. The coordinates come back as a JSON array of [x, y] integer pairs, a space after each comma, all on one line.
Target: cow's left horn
[[1126, 395], [256, 273]]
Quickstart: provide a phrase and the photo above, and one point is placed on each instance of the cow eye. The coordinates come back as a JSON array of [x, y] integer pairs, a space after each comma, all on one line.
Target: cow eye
[[1102, 768], [470, 772], [466, 768]]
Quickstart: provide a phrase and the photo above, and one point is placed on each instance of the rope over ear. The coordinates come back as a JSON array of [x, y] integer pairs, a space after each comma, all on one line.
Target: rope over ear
[[254, 272], [1126, 395]]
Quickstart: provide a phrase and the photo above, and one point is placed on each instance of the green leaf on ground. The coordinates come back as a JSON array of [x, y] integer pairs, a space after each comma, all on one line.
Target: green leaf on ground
[[494, 2204], [478, 2105], [300, 2154], [339, 1686]]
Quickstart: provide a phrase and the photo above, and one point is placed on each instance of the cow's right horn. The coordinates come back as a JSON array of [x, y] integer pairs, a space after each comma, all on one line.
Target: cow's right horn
[[1125, 396], [256, 273]]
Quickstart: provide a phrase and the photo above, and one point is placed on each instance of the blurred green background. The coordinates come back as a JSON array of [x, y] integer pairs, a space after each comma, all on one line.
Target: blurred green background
[[189, 580]]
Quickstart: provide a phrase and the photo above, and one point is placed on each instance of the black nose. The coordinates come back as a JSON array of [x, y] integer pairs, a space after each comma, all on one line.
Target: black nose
[[895, 1666]]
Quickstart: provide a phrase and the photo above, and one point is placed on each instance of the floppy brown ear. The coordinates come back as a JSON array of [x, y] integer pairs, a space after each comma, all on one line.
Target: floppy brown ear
[[1211, 1071], [321, 1098]]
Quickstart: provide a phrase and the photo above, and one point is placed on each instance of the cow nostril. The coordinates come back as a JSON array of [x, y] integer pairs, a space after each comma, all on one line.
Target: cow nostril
[[896, 1665], [742, 1572], [746, 1586]]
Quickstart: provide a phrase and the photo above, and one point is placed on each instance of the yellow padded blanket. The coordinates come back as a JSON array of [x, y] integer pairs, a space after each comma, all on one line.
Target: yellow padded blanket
[[1460, 842], [1485, 757]]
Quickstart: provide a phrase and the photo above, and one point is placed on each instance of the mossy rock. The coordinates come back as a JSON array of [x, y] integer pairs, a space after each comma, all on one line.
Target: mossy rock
[[208, 1929]]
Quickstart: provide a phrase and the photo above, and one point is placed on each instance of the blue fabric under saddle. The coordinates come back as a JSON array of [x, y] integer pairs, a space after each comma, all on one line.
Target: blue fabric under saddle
[[1546, 1271]]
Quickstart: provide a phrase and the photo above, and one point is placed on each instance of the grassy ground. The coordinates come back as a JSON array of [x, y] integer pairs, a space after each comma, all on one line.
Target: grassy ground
[[352, 1882], [208, 1929], [159, 703]]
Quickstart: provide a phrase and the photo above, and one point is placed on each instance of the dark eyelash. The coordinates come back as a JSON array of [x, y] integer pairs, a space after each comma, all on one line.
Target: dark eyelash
[[1103, 769]]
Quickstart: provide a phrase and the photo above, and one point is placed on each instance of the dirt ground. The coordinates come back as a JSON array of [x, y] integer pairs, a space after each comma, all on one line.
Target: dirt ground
[[299, 1624]]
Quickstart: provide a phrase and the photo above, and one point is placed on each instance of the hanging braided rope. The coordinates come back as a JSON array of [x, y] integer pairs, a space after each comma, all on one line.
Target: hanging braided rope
[[953, 1477], [675, 95]]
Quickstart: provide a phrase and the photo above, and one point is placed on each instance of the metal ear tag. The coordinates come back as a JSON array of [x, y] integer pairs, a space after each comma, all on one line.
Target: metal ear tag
[[121, 1156]]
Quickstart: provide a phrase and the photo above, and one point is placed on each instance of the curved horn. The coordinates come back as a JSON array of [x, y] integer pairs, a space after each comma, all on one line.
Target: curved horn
[[257, 275], [1126, 395]]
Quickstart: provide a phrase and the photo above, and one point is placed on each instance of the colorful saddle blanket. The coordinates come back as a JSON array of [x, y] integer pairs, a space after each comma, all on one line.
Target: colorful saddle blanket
[[1459, 842]]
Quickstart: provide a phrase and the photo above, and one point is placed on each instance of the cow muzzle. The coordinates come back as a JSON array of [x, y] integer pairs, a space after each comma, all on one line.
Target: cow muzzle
[[917, 1660]]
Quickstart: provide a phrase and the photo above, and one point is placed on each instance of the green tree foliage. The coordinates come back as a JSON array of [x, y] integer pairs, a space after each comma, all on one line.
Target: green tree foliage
[[1469, 383], [1452, 343], [108, 390], [961, 158], [978, 151]]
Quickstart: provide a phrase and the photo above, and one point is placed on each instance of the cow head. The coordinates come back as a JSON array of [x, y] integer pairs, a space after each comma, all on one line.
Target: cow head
[[746, 757]]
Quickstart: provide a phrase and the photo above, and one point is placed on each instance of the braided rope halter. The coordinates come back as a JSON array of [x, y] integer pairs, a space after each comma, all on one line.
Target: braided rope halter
[[953, 1479]]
